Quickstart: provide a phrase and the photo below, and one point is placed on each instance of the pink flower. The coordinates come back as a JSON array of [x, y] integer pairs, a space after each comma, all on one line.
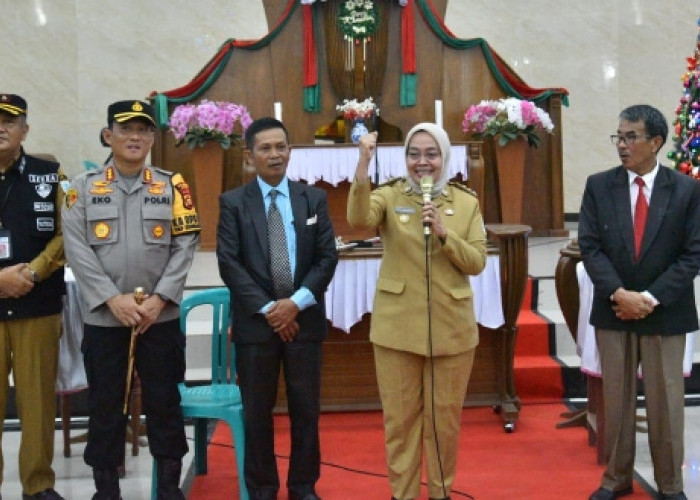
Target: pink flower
[[529, 113], [209, 121], [507, 118]]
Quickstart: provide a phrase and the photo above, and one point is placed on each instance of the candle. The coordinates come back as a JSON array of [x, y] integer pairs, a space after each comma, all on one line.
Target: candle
[[278, 111], [438, 113]]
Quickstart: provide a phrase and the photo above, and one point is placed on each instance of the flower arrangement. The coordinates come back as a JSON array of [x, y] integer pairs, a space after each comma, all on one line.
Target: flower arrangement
[[209, 121], [353, 110], [358, 18], [510, 118]]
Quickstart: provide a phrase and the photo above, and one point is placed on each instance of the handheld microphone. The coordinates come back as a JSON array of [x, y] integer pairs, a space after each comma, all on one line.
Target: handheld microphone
[[426, 187]]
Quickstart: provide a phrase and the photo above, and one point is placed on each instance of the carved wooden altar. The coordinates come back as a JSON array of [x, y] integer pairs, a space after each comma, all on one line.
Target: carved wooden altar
[[457, 77]]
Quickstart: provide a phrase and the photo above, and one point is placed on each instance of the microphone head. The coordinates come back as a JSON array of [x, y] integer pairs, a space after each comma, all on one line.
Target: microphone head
[[426, 183]]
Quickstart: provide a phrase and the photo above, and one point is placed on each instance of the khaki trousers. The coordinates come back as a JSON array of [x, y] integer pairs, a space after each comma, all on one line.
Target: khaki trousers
[[29, 349], [407, 388], [661, 358]]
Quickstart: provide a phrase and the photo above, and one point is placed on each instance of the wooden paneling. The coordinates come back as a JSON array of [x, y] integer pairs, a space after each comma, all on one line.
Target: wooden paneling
[[348, 376]]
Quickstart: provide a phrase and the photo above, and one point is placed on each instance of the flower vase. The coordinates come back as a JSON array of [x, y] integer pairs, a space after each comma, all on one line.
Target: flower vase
[[358, 130], [208, 168], [510, 172]]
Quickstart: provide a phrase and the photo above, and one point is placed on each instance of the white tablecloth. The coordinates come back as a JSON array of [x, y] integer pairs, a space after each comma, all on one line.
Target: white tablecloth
[[586, 343], [337, 164], [351, 292], [71, 372]]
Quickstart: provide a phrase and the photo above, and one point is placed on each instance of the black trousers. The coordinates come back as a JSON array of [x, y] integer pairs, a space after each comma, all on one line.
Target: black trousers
[[159, 359], [258, 367]]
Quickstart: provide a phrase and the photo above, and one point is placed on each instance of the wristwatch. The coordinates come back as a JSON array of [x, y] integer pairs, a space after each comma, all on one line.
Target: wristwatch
[[35, 276]]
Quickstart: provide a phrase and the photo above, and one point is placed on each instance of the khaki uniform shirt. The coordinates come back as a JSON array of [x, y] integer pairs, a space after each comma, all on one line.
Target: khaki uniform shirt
[[399, 315], [118, 237]]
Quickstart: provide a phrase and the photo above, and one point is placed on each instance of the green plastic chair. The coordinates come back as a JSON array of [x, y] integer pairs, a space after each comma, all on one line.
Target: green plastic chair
[[221, 399]]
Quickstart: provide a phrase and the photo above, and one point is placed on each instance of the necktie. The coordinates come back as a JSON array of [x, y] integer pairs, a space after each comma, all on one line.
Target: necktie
[[279, 256], [640, 217]]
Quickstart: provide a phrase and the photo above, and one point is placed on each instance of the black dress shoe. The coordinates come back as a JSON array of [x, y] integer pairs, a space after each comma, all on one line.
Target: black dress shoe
[[47, 494], [673, 496], [306, 496], [605, 494]]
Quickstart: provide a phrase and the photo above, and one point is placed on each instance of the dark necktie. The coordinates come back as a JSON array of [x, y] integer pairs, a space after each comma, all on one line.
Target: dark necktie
[[640, 217], [279, 256]]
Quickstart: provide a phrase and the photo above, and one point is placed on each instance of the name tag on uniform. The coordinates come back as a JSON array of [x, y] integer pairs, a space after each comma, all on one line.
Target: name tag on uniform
[[5, 244], [404, 210]]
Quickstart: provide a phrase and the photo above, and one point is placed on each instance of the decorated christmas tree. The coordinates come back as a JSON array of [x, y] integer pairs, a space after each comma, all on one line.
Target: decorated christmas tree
[[686, 127]]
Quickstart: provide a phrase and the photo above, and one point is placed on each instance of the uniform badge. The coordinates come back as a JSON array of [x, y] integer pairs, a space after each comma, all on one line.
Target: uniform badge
[[147, 175], [71, 197], [101, 190], [184, 190], [404, 218], [449, 211], [101, 230], [185, 218], [158, 231], [65, 184], [101, 183], [157, 187], [109, 174], [43, 189]]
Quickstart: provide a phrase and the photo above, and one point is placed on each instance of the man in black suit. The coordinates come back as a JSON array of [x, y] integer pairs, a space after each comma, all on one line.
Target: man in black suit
[[271, 324], [644, 301]]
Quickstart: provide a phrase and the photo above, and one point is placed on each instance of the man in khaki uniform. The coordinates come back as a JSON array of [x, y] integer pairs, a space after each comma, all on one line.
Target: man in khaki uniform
[[131, 225], [31, 295]]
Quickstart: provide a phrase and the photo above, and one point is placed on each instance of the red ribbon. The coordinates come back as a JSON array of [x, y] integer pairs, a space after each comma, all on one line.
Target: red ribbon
[[408, 38], [310, 58]]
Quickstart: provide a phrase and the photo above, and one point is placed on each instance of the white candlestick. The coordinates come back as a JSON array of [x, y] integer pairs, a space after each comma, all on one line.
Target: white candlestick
[[438, 113], [278, 111]]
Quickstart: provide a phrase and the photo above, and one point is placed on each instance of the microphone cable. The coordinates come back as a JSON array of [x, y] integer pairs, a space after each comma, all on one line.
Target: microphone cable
[[430, 354], [345, 468]]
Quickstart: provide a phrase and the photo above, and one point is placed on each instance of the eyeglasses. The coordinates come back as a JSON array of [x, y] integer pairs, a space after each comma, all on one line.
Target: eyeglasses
[[428, 155], [628, 139], [139, 130]]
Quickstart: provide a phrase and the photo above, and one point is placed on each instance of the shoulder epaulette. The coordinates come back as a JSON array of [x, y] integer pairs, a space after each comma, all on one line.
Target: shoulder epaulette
[[93, 171], [163, 171], [391, 181], [464, 188]]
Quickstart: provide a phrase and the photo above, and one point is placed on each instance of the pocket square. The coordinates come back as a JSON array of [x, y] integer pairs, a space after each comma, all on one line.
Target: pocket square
[[312, 220]]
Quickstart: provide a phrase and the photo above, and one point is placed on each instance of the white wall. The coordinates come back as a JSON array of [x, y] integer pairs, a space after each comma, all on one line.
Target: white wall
[[71, 58]]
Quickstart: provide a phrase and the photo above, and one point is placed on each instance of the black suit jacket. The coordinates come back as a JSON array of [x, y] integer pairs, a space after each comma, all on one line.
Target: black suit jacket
[[670, 254], [243, 255]]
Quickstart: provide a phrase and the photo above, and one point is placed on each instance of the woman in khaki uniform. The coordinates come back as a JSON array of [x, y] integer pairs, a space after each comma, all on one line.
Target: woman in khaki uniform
[[423, 352]]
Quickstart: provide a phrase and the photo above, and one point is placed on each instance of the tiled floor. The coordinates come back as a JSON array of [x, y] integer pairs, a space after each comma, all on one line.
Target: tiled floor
[[74, 479]]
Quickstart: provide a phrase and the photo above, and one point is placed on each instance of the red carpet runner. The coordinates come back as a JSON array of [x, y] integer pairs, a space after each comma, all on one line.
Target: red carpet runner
[[538, 376], [534, 462]]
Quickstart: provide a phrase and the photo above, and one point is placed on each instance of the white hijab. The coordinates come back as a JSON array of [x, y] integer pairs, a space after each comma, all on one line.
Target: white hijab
[[443, 142]]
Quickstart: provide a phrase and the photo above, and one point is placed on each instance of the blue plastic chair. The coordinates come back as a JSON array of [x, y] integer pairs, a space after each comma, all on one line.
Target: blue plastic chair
[[222, 398]]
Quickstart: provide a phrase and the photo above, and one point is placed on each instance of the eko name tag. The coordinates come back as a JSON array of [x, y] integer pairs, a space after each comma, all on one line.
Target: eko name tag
[[5, 244]]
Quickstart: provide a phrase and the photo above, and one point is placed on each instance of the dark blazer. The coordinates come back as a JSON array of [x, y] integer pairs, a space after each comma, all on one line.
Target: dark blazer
[[670, 254], [243, 255]]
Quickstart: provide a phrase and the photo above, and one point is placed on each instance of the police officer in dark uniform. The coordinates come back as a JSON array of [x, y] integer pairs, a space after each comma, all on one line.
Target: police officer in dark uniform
[[128, 225], [31, 290]]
